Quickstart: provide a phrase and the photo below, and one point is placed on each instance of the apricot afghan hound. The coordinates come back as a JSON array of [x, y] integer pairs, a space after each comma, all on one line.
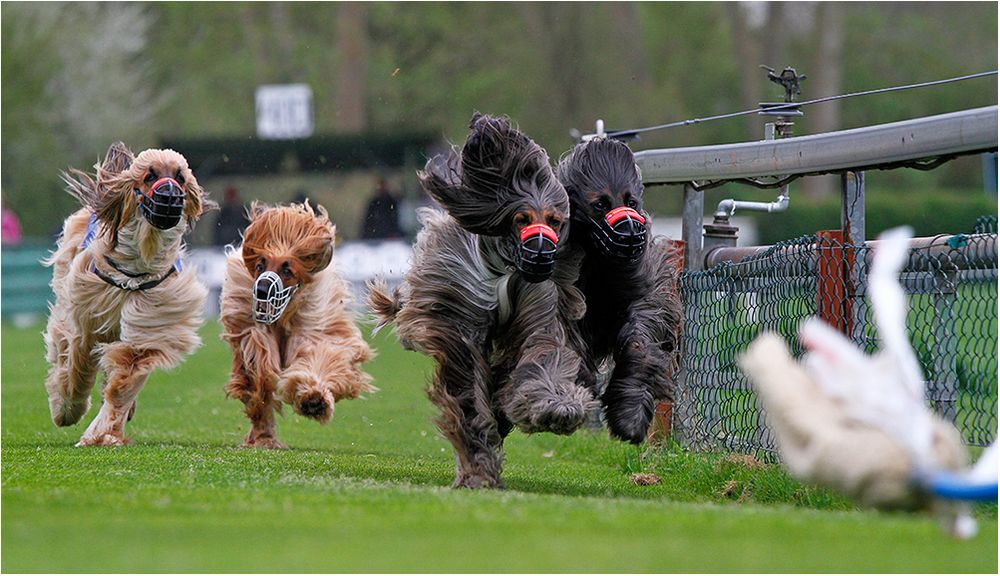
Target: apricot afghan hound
[[285, 314]]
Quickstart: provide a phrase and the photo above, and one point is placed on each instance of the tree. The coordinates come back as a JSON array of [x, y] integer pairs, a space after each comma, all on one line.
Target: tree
[[352, 66]]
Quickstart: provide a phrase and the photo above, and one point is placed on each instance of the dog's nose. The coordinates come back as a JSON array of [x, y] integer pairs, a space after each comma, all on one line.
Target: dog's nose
[[621, 234], [262, 288], [537, 252]]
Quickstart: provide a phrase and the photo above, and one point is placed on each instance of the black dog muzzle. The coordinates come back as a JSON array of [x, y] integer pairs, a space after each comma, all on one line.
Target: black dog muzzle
[[270, 297], [536, 256], [621, 234], [164, 205]]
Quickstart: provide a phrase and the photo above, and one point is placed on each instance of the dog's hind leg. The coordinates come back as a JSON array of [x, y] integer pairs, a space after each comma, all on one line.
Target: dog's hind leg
[[128, 368], [467, 421], [73, 369]]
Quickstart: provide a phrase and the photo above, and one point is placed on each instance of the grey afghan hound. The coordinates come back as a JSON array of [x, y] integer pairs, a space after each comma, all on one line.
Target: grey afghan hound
[[490, 301], [630, 285]]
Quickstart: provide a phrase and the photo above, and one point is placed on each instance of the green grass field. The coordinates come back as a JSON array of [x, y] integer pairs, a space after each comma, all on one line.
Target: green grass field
[[369, 493]]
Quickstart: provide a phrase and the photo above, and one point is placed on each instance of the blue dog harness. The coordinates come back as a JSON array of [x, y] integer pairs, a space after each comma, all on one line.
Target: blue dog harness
[[89, 237]]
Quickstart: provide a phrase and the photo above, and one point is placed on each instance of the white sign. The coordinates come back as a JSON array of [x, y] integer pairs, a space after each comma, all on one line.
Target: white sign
[[284, 111]]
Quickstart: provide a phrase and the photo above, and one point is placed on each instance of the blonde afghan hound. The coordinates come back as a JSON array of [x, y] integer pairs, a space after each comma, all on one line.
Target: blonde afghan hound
[[284, 310], [125, 303], [489, 300]]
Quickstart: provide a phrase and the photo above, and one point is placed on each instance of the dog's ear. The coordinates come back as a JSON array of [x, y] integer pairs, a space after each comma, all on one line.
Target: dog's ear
[[317, 252], [118, 159], [196, 201], [481, 186], [114, 199]]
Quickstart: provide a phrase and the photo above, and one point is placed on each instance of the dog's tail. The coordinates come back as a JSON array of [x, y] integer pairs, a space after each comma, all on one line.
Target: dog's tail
[[383, 303]]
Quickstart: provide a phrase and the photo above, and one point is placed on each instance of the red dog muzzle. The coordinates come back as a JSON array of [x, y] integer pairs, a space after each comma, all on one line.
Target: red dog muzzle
[[621, 234], [536, 256], [163, 206]]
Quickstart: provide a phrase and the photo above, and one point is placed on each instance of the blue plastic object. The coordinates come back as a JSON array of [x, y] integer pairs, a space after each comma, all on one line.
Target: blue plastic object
[[955, 487]]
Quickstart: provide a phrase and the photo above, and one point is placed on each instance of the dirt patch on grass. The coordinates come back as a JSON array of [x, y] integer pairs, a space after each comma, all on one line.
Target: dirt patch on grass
[[645, 479], [744, 460]]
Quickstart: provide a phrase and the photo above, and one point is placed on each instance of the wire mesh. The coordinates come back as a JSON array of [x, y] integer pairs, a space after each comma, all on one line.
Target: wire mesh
[[951, 281]]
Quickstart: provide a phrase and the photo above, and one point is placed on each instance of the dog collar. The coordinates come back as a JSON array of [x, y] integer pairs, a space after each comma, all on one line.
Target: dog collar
[[140, 287], [89, 237]]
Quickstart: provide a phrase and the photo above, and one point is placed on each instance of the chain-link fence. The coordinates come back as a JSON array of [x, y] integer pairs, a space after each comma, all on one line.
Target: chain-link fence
[[952, 285]]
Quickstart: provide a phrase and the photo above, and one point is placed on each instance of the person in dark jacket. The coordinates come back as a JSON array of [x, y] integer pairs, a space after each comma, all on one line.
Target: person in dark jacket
[[382, 216], [232, 218]]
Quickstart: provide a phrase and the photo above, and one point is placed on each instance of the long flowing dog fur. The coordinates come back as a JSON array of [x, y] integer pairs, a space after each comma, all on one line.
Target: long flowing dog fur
[[95, 326], [312, 356], [633, 310], [493, 373]]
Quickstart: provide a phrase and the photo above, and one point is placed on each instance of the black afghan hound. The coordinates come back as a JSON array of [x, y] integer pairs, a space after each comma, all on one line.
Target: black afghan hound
[[629, 283], [488, 298]]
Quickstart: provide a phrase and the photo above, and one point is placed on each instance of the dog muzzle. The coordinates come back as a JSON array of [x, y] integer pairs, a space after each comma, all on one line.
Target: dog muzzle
[[621, 234], [536, 256], [270, 297], [164, 205]]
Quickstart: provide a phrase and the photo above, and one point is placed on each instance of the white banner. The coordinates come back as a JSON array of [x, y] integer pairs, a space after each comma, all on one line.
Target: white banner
[[284, 111]]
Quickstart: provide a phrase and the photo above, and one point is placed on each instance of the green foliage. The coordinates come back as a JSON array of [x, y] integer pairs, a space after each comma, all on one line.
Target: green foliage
[[189, 70], [928, 211], [368, 493]]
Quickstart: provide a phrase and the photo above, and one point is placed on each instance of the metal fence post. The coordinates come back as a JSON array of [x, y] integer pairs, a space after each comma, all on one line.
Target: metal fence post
[[943, 388], [691, 222], [852, 222], [691, 230]]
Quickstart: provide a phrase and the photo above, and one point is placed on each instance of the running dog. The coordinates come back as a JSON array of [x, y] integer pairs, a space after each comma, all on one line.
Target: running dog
[[284, 310], [630, 284], [125, 303], [489, 299]]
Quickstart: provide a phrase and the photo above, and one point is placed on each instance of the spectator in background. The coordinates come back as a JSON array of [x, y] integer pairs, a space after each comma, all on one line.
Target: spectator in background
[[382, 217], [10, 235], [232, 218]]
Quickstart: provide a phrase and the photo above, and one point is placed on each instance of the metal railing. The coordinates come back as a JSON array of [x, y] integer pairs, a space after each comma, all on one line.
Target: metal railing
[[730, 294]]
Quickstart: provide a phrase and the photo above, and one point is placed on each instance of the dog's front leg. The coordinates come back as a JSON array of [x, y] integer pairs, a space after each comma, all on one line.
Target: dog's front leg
[[541, 393], [642, 376], [72, 373], [646, 348], [460, 391], [256, 364], [127, 368], [323, 370]]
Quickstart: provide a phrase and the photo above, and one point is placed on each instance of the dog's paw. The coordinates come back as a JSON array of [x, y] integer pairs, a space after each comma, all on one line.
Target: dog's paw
[[477, 481], [307, 395], [264, 443], [546, 411], [103, 440], [628, 411], [67, 413], [559, 415], [315, 405]]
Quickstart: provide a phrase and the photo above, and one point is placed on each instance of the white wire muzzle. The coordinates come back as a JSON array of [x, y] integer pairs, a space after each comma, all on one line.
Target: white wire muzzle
[[270, 297]]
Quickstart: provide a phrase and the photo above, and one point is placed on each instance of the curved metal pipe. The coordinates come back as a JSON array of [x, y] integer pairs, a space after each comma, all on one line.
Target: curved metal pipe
[[729, 206]]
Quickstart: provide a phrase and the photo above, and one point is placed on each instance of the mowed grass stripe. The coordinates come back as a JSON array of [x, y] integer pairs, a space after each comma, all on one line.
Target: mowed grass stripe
[[369, 493]]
